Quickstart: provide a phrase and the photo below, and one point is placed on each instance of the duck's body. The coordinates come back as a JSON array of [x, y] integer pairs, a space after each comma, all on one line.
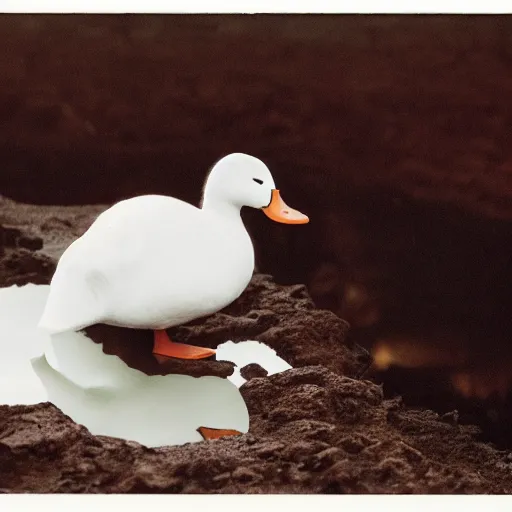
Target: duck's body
[[141, 266], [153, 262]]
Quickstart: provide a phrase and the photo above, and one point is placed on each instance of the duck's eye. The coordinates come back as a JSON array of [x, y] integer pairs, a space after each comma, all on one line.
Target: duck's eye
[[259, 182]]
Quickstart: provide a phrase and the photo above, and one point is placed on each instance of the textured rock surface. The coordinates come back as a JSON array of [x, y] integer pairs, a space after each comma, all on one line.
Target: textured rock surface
[[19, 262], [285, 319], [311, 432]]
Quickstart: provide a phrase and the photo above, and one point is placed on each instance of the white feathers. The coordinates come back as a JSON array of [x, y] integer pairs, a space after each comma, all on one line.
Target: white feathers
[[153, 261]]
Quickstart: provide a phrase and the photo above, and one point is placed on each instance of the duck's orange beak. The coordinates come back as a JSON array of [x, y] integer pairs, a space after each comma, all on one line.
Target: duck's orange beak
[[279, 211]]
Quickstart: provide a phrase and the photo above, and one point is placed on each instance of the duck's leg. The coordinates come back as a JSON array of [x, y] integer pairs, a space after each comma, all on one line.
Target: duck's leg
[[215, 433], [164, 347]]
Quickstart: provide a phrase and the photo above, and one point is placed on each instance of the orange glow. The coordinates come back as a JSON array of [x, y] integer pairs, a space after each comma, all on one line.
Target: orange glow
[[413, 353], [480, 384], [487, 379]]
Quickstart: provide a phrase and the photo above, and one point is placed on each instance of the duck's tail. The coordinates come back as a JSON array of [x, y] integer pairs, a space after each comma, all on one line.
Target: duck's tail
[[70, 307]]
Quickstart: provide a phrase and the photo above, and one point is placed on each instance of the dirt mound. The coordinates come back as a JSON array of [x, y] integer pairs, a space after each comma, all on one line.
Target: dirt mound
[[312, 431]]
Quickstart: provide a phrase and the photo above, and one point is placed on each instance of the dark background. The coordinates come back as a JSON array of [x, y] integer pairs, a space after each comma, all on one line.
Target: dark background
[[391, 132]]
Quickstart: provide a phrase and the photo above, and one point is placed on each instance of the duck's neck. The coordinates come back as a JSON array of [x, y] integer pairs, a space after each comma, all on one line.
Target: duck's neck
[[227, 210]]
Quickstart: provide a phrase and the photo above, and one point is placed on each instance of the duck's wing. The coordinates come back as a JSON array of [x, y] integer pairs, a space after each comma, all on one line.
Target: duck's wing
[[119, 246], [76, 297]]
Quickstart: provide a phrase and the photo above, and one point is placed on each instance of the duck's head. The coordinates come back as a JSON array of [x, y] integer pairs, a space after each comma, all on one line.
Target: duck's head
[[239, 180]]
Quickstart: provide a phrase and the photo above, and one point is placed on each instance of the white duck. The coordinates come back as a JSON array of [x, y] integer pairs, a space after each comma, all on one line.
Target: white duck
[[153, 262]]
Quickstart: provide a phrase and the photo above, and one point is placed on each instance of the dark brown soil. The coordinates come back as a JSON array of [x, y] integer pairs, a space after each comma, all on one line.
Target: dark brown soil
[[318, 428], [312, 431], [252, 371]]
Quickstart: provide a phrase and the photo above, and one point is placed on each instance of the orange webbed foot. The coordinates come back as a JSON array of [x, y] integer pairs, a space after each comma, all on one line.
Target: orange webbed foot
[[216, 433], [165, 348]]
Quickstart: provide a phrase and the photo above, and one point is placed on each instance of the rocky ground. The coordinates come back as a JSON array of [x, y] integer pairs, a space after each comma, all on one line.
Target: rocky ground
[[318, 428]]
